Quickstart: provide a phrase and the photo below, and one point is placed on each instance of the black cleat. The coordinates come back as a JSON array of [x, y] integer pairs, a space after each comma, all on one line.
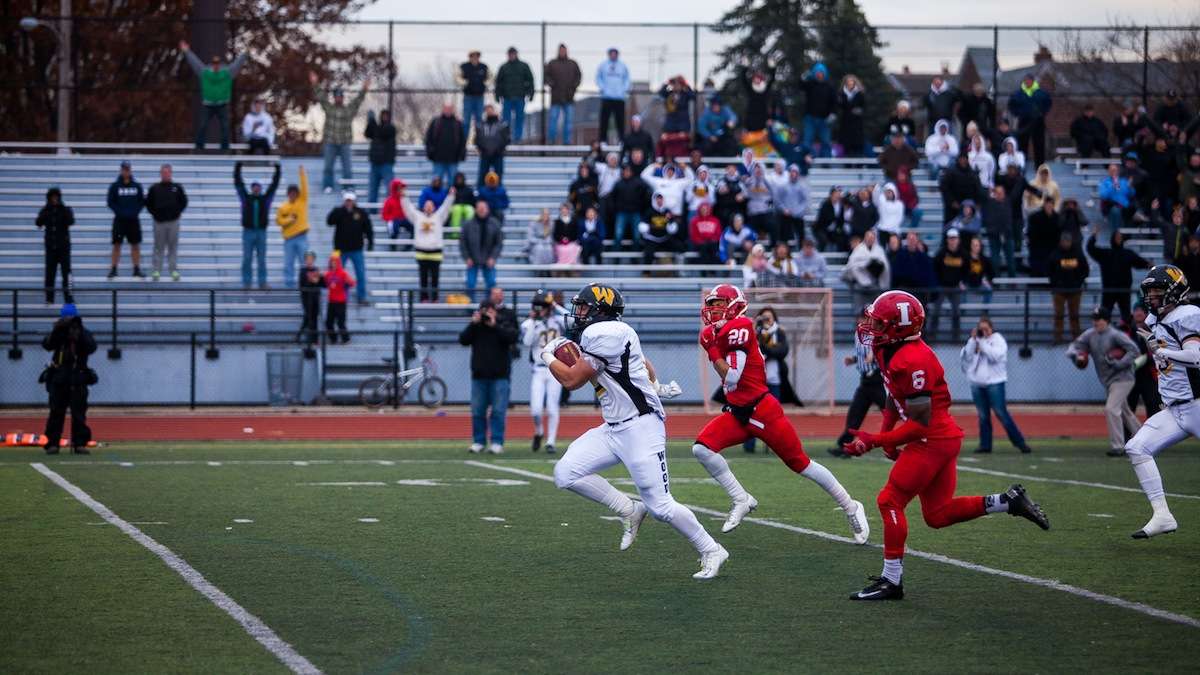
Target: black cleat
[[537, 442], [837, 452], [50, 449], [880, 589], [983, 451], [550, 449], [80, 451], [1019, 504], [1025, 449]]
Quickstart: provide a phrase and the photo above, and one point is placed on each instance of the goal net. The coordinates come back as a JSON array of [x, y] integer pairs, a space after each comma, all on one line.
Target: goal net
[[806, 317]]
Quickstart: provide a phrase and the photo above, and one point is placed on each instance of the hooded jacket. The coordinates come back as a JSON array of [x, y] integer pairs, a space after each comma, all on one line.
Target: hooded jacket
[[612, 79], [1010, 154], [338, 281], [820, 99], [166, 201], [351, 227], [671, 188], [660, 223], [984, 164], [791, 196], [891, 210], [584, 192], [1029, 105], [940, 101], [292, 216], [941, 147], [255, 207], [630, 195], [392, 209], [55, 220], [959, 184], [1047, 189], [126, 200], [733, 241], [1116, 263], [491, 345], [428, 239], [383, 141], [861, 263], [758, 194], [677, 104]]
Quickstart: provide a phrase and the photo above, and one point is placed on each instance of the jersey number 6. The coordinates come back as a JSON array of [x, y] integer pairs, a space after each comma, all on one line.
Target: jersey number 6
[[918, 378]]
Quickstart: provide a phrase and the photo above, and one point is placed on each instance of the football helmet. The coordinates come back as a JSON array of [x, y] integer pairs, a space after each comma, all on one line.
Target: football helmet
[[543, 302], [1171, 281], [734, 305], [895, 316], [592, 304]]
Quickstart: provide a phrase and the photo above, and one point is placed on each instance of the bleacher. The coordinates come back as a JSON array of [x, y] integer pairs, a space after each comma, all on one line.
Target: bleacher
[[209, 297]]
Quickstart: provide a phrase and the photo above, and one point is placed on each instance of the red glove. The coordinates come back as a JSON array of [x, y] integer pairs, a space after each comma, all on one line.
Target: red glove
[[708, 342], [892, 452], [862, 443]]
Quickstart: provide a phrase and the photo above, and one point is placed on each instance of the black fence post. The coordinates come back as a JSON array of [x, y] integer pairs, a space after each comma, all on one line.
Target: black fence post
[[192, 378], [696, 86], [1025, 351], [324, 364], [113, 352], [995, 72], [1146, 65], [395, 370], [410, 347], [545, 110], [14, 353], [391, 68], [212, 353]]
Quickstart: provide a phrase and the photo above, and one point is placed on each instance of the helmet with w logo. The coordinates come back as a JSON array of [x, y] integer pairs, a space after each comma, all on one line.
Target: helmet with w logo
[[895, 316], [595, 303], [1173, 284], [723, 303]]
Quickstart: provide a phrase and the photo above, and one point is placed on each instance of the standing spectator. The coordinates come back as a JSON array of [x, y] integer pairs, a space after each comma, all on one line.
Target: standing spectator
[[429, 223], [1090, 134], [1174, 232], [959, 184], [984, 360], [514, 86], [758, 88], [337, 280], [381, 153], [820, 102], [473, 76], [126, 199], [787, 144], [351, 228], [1067, 269], [55, 220], [480, 244], [968, 223], [950, 269], [311, 282], [591, 237], [216, 88], [1145, 376], [494, 194], [979, 272], [562, 76], [67, 379], [869, 390], [897, 155], [977, 107], [1045, 231], [446, 144], [704, 233], [759, 209], [492, 136], [715, 129], [736, 241], [539, 242], [912, 268], [612, 79], [1044, 187], [867, 271], [980, 158], [607, 175], [337, 133], [1162, 170], [891, 212], [997, 221], [258, 129], [584, 191], [166, 200], [811, 267], [1010, 154], [637, 139], [790, 198], [1189, 173], [1112, 352], [730, 197], [630, 198], [1173, 111], [941, 147], [1116, 271], [676, 137], [392, 215], [1029, 105], [256, 209], [941, 101], [863, 214], [902, 124], [490, 338], [1116, 197], [907, 191], [851, 107], [659, 229], [830, 228]]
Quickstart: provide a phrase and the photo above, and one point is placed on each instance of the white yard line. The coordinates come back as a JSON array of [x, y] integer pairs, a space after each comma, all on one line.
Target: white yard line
[[936, 557], [253, 626], [1066, 481]]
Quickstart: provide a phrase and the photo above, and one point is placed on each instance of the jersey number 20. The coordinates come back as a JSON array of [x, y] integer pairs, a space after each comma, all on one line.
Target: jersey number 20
[[739, 336]]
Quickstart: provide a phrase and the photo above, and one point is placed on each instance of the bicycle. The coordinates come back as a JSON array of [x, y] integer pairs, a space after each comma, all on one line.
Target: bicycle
[[379, 390]]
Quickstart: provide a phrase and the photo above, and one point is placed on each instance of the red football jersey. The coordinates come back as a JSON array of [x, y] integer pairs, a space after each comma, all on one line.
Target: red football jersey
[[913, 369], [738, 335]]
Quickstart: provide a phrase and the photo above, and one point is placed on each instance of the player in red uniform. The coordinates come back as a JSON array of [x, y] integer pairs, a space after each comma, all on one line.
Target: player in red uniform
[[919, 401], [731, 343]]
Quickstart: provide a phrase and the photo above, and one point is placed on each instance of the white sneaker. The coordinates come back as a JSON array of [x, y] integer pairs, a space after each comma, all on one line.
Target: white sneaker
[[632, 524], [860, 529], [710, 563], [738, 511], [496, 449], [475, 448], [1160, 523]]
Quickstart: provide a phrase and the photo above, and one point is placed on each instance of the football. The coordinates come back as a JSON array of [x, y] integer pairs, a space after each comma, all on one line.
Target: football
[[1081, 361], [1116, 353], [567, 352]]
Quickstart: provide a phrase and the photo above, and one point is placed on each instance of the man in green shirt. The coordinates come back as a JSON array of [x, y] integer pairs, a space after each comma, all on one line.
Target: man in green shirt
[[337, 133], [514, 85], [216, 89]]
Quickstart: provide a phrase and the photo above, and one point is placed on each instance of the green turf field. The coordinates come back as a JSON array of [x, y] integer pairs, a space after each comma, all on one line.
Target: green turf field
[[441, 583]]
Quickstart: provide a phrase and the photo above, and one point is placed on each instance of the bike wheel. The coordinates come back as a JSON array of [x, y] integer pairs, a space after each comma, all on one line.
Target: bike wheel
[[375, 392], [432, 392]]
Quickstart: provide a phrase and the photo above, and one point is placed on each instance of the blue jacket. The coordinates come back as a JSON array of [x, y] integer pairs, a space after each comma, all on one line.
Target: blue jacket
[[496, 198], [732, 241], [436, 196], [792, 152], [714, 124], [612, 79], [126, 199], [1028, 108], [1119, 192], [594, 239]]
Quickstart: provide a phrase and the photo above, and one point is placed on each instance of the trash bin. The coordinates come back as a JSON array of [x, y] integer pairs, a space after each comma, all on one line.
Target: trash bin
[[285, 376]]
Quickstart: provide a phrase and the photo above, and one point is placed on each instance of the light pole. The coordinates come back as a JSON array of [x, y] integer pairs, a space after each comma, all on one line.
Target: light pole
[[63, 35]]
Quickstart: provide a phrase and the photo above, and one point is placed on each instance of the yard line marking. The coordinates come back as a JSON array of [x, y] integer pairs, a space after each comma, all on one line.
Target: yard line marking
[[1067, 481], [348, 483], [253, 626], [1102, 515], [368, 520], [213, 463], [493, 519], [936, 557], [242, 520]]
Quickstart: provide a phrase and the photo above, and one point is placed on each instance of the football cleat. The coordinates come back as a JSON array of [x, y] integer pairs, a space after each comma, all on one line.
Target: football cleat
[[632, 524], [550, 449], [537, 442], [880, 589], [859, 526], [738, 511], [710, 563], [1160, 523], [1021, 505]]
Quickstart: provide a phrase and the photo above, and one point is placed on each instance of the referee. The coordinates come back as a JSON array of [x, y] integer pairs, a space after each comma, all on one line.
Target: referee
[[869, 391]]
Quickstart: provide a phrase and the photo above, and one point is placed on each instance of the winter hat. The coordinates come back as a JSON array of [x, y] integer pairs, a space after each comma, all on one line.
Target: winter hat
[[952, 233], [68, 311], [349, 195]]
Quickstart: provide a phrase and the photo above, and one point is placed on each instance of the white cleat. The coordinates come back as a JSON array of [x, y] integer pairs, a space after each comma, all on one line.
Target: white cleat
[[738, 511], [632, 524], [710, 563], [1160, 523], [860, 529]]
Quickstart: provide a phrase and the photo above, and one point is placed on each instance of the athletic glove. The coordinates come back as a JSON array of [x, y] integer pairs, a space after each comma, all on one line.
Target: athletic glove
[[668, 390], [708, 342], [861, 444], [548, 351]]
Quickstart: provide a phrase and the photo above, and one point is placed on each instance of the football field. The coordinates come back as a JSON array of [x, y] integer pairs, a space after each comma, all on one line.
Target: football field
[[384, 557]]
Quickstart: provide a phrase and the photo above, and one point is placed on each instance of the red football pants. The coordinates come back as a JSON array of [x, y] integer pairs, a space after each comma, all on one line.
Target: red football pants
[[927, 470], [768, 424]]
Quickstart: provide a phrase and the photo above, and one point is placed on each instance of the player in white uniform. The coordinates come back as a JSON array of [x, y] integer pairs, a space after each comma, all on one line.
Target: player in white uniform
[[1174, 342], [633, 432], [542, 327]]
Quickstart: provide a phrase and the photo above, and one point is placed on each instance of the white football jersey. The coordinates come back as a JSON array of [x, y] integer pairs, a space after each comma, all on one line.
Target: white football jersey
[[537, 333], [1176, 383], [623, 385]]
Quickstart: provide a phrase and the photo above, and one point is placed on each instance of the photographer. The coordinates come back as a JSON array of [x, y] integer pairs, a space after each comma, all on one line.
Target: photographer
[[491, 336], [984, 360], [774, 344], [67, 379]]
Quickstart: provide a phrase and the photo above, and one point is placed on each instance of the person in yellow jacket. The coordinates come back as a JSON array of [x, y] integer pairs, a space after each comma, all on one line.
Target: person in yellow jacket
[[292, 218]]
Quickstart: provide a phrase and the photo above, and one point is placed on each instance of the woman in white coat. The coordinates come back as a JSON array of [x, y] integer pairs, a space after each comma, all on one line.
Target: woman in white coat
[[984, 359]]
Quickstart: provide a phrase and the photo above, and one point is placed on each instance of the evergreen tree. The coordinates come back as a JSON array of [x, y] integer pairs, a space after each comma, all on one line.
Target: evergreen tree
[[847, 44]]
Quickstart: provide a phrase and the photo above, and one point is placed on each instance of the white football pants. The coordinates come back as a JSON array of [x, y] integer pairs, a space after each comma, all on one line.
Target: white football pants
[[544, 395]]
